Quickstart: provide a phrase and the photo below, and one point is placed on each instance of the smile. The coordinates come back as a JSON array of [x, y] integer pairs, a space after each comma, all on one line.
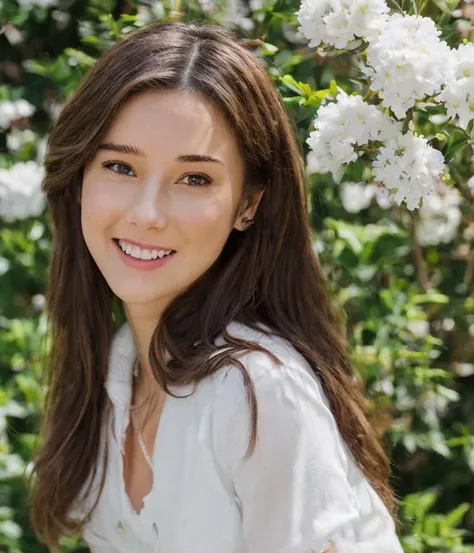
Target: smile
[[141, 253], [138, 258]]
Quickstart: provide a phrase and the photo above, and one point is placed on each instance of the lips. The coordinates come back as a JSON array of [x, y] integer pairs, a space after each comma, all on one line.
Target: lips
[[143, 264], [149, 248]]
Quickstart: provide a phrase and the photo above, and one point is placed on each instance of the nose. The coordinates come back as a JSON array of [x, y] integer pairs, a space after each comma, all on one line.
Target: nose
[[148, 207]]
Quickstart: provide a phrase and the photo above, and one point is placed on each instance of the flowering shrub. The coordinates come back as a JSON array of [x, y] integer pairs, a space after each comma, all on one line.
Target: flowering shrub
[[382, 96]]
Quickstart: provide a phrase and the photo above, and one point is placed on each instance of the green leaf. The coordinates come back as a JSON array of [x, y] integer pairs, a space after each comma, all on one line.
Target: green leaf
[[303, 89], [431, 297], [446, 6], [454, 517], [321, 93], [80, 56], [36, 67], [128, 18], [459, 143], [333, 88], [290, 83], [269, 49], [29, 387]]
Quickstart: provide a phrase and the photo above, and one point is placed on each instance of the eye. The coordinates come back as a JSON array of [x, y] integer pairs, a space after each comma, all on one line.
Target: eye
[[199, 176], [110, 164]]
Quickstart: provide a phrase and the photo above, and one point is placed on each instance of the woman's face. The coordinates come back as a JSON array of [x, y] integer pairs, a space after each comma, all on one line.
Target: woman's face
[[159, 199]]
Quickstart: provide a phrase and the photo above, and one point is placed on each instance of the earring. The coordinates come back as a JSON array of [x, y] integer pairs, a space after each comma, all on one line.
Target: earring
[[246, 223]]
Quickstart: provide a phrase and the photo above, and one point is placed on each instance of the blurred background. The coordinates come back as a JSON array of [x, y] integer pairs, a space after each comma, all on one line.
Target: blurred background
[[405, 279]]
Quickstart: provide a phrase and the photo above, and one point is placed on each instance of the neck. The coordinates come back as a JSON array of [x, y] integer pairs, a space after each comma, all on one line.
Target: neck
[[144, 381]]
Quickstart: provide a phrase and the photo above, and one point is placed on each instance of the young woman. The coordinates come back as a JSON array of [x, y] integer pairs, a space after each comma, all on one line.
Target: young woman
[[221, 414]]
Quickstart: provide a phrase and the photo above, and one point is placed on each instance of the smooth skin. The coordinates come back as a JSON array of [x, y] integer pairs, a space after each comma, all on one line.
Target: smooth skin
[[155, 199]]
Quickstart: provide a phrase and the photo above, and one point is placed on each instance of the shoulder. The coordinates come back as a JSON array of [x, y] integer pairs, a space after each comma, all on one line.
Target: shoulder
[[293, 413], [292, 375]]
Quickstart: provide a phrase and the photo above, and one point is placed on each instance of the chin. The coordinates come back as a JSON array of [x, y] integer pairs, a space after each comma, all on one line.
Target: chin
[[147, 289], [137, 294]]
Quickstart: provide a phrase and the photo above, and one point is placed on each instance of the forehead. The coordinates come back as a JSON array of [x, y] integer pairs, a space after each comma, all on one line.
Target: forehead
[[170, 123]]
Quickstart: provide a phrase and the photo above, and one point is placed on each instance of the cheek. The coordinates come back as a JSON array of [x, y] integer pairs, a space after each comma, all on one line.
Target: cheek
[[99, 208], [207, 223]]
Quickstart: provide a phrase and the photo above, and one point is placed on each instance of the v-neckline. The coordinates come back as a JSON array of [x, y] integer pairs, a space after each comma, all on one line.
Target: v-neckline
[[155, 459], [120, 388]]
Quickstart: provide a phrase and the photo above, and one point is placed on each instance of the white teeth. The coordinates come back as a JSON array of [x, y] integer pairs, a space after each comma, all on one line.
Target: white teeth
[[138, 253]]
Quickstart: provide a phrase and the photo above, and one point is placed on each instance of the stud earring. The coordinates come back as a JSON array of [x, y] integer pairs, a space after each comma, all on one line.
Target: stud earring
[[246, 222]]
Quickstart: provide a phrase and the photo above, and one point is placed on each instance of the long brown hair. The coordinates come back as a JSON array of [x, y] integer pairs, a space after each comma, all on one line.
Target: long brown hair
[[285, 289]]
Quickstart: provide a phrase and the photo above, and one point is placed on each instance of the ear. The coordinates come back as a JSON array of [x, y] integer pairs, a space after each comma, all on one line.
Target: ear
[[249, 209]]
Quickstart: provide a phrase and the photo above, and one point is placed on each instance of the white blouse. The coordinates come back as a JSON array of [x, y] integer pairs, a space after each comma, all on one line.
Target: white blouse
[[299, 492]]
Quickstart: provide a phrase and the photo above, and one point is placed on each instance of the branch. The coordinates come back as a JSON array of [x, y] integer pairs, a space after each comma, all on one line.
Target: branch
[[420, 263], [463, 188], [469, 273]]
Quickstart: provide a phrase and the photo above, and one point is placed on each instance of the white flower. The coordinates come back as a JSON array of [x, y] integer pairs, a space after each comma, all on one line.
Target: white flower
[[53, 108], [236, 13], [16, 138], [407, 61], [11, 465], [61, 19], [13, 34], [339, 22], [41, 147], [344, 124], [38, 301], [439, 218], [458, 94], [312, 163], [11, 111], [149, 12], [404, 400], [253, 4], [381, 196], [20, 191], [418, 328], [356, 196], [409, 165]]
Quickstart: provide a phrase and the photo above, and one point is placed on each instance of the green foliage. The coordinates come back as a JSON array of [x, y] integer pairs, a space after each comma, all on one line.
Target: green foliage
[[431, 531]]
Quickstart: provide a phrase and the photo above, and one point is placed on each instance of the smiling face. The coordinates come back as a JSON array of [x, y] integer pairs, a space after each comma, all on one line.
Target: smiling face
[[160, 199]]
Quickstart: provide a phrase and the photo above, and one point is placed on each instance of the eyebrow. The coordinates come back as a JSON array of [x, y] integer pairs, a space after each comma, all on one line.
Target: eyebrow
[[133, 150]]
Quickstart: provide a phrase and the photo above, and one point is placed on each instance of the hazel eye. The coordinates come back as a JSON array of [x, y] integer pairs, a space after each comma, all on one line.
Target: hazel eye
[[110, 164], [207, 180]]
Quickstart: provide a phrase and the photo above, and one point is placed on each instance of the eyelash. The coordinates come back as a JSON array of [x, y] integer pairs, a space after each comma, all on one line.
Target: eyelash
[[109, 164]]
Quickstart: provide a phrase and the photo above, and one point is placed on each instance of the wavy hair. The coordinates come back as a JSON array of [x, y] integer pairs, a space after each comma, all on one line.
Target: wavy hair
[[286, 288]]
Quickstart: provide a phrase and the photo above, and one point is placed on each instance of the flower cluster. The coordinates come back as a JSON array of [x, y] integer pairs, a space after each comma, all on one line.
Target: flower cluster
[[343, 125], [458, 95], [440, 217], [20, 191], [405, 62], [340, 22], [12, 111], [357, 196], [405, 162], [408, 164]]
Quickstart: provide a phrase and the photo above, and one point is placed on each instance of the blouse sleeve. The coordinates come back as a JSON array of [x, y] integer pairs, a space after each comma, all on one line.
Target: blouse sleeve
[[294, 492]]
